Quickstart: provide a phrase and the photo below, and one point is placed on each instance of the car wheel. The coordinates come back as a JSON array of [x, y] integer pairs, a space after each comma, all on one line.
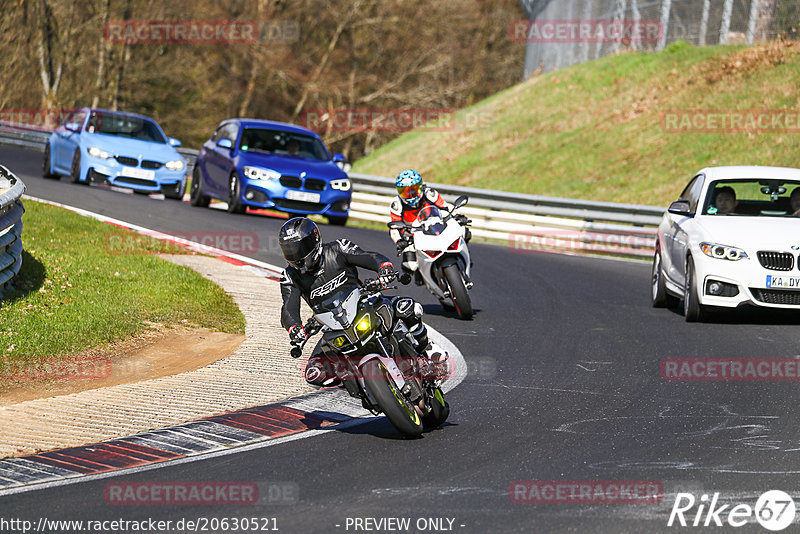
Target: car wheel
[[693, 311], [235, 195], [659, 296], [47, 166], [196, 196], [75, 170], [175, 195], [337, 220]]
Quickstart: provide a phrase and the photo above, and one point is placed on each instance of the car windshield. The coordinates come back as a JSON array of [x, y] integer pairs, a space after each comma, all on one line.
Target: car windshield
[[283, 143], [121, 125], [753, 198]]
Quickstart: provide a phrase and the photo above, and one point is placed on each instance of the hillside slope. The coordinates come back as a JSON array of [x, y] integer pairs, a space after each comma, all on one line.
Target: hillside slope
[[599, 130]]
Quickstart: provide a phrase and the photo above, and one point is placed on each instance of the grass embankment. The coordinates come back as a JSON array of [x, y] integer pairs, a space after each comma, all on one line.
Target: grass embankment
[[85, 284], [596, 130]]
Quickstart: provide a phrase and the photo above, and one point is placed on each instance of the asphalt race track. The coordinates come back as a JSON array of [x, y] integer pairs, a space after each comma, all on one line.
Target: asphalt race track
[[563, 384]]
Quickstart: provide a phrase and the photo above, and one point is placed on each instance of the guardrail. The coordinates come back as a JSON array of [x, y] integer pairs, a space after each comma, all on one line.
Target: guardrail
[[527, 222], [11, 210]]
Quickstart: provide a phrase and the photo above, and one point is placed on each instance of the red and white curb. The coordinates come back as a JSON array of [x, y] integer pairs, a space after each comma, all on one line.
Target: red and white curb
[[256, 427]]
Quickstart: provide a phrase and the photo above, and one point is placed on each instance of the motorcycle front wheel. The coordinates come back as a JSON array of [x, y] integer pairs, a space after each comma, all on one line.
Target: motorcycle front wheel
[[458, 291], [393, 404], [439, 413]]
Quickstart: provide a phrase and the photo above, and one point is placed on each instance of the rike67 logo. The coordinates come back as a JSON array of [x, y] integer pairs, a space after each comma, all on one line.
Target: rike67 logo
[[774, 510]]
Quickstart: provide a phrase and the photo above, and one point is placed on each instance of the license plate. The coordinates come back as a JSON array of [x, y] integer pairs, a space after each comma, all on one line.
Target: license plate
[[303, 196], [786, 282], [135, 172]]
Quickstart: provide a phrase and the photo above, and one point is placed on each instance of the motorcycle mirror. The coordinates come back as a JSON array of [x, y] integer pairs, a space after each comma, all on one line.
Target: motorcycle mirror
[[396, 225], [405, 278], [460, 201], [296, 352]]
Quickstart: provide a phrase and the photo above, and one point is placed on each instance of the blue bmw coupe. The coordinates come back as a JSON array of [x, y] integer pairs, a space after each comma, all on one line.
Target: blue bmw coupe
[[122, 149], [266, 164]]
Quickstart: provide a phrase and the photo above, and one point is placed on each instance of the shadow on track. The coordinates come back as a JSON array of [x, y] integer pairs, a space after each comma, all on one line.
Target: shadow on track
[[377, 426], [748, 315]]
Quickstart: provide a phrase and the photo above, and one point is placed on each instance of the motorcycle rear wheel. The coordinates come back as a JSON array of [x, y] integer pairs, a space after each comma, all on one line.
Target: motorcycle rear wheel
[[400, 412]]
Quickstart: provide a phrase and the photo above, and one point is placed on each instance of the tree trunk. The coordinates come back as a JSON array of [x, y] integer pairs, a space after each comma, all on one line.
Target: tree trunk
[[102, 56]]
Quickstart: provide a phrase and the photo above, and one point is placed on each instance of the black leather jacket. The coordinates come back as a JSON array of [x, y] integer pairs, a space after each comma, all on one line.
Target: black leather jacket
[[338, 268]]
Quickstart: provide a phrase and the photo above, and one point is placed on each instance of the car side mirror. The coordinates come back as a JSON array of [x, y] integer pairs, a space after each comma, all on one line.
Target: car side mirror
[[680, 207], [339, 158], [73, 127], [460, 201], [174, 142], [225, 143]]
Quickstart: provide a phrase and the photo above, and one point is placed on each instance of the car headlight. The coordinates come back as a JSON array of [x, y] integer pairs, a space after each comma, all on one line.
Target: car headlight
[[100, 153], [176, 165], [363, 326], [259, 173], [341, 185], [723, 252]]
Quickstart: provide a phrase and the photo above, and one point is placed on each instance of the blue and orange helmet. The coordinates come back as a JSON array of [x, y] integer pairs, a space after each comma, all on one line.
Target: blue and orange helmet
[[409, 187]]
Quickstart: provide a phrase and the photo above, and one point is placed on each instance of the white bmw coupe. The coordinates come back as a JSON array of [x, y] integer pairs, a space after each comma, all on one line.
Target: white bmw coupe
[[732, 238]]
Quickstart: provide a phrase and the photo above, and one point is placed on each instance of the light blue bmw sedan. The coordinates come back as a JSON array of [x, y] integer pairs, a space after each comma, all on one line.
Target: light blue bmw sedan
[[121, 149]]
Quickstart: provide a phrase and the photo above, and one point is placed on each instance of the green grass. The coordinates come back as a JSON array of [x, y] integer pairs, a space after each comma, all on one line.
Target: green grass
[[85, 284], [595, 131]]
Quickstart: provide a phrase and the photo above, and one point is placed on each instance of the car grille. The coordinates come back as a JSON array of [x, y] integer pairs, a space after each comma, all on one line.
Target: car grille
[[148, 164], [135, 181], [291, 181], [298, 205], [785, 297], [125, 160], [776, 261], [312, 184]]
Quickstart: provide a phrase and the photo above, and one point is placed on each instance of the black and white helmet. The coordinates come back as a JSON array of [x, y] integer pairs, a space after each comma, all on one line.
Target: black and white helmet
[[301, 244]]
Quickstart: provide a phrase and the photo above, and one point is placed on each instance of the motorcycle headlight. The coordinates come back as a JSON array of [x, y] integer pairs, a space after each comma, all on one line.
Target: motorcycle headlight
[[363, 326], [723, 252], [100, 153], [260, 173], [176, 165], [341, 185]]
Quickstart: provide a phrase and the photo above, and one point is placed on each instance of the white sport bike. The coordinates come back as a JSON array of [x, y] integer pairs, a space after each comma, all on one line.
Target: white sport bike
[[442, 255]]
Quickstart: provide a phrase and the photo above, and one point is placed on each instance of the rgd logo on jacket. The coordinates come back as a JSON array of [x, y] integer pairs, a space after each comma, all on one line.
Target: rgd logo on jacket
[[328, 286]]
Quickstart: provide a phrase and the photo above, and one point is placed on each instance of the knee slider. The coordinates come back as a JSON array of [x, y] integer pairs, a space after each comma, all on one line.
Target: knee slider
[[405, 307]]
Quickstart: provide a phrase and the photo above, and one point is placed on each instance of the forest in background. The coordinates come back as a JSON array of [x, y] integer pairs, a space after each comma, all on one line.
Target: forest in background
[[359, 54]]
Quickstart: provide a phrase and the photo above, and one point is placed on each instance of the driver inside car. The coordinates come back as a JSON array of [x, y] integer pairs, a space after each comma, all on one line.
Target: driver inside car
[[794, 200], [725, 200], [316, 270]]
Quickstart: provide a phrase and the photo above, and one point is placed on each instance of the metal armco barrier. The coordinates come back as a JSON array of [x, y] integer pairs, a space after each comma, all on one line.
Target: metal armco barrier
[[528, 223], [11, 210]]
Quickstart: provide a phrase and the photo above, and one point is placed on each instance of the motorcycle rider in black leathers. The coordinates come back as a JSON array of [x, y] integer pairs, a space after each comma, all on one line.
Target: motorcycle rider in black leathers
[[317, 269]]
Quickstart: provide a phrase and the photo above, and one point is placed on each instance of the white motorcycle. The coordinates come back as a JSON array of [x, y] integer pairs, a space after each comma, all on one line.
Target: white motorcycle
[[442, 255]]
